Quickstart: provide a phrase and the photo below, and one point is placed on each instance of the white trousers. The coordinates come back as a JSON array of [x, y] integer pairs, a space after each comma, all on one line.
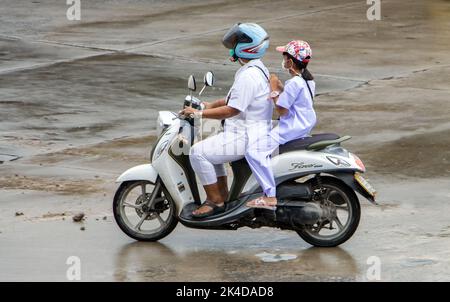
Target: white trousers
[[209, 155], [258, 156]]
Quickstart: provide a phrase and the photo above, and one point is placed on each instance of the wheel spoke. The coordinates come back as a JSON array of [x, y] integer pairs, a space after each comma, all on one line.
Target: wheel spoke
[[127, 204], [338, 222], [343, 208], [327, 194], [161, 221], [138, 226]]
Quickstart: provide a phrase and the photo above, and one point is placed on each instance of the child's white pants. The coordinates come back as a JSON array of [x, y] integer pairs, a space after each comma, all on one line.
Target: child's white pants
[[259, 160]]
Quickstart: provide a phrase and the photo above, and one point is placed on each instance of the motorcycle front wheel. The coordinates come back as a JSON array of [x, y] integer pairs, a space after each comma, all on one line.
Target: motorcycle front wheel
[[143, 211], [343, 205]]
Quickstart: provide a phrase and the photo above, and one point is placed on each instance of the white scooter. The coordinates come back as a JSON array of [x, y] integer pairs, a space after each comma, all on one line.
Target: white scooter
[[316, 184]]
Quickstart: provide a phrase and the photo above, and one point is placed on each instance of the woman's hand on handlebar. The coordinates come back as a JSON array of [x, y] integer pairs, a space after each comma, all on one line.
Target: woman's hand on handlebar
[[188, 112]]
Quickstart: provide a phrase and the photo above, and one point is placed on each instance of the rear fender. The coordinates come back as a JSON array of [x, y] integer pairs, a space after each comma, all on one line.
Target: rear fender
[[349, 179]]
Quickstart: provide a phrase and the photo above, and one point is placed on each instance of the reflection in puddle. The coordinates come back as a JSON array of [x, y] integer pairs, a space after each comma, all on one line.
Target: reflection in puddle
[[8, 157], [413, 262], [267, 257], [140, 261]]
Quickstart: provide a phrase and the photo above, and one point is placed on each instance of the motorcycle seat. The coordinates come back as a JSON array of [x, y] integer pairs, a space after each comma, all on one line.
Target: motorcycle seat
[[305, 142]]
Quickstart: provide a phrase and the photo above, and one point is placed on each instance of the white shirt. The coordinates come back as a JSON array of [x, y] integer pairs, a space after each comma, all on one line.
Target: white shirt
[[301, 117], [250, 95]]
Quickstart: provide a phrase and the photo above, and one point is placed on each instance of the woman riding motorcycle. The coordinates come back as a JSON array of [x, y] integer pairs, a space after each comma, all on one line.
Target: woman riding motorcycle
[[246, 112]]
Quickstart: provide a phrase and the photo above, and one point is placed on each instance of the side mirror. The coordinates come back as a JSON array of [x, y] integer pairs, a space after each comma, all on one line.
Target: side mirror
[[208, 79], [191, 83]]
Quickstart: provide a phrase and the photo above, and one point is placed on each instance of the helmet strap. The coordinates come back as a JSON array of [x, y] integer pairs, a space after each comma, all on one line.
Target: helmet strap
[[240, 60], [233, 56]]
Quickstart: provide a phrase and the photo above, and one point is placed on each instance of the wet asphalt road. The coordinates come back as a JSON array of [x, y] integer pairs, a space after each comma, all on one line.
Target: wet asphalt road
[[78, 101]]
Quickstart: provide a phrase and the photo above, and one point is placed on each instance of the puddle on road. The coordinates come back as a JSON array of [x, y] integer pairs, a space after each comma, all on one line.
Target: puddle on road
[[8, 157], [413, 262], [268, 257]]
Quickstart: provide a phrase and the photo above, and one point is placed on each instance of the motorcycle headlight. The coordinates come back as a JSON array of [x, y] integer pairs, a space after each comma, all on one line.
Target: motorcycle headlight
[[159, 149]]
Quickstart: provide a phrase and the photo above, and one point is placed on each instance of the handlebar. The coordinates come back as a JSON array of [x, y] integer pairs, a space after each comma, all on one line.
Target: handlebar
[[190, 101], [182, 117]]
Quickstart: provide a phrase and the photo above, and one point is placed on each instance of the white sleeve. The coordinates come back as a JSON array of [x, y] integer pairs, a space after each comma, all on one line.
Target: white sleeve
[[289, 94], [243, 92]]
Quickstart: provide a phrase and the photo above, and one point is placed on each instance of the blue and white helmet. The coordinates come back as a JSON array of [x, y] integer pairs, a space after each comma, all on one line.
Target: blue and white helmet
[[246, 41]]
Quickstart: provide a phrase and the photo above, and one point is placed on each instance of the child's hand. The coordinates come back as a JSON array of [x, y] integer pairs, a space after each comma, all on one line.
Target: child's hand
[[280, 86], [275, 83], [273, 80]]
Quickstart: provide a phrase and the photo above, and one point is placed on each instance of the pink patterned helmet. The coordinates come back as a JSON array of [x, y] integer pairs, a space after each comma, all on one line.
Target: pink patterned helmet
[[299, 49]]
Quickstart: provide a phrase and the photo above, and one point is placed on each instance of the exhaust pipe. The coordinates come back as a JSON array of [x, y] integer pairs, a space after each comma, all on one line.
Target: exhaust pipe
[[298, 213]]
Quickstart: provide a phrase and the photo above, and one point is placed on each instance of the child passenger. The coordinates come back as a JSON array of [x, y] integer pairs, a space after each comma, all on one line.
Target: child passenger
[[294, 104]]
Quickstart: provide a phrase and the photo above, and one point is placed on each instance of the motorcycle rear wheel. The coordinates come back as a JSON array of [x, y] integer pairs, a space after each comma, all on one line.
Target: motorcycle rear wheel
[[147, 206], [340, 197]]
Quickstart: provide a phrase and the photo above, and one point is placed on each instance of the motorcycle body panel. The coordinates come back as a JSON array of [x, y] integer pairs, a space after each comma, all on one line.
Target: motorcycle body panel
[[300, 163], [172, 163], [165, 119]]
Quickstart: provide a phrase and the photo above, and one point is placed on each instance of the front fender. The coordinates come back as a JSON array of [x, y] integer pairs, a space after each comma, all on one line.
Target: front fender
[[141, 172]]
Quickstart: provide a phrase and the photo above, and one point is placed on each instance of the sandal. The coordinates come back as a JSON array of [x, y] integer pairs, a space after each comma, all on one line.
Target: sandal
[[215, 209], [260, 203]]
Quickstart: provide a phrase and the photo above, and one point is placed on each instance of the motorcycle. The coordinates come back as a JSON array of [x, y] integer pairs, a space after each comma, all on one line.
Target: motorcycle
[[317, 180]]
